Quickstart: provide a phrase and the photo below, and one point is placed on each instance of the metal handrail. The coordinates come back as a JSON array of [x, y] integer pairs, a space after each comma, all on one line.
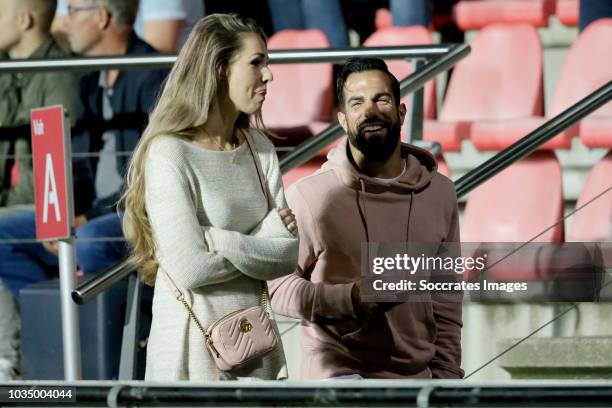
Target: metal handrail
[[447, 55], [276, 57], [371, 393], [100, 282]]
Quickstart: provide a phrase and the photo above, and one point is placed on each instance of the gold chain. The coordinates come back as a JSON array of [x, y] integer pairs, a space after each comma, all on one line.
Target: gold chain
[[233, 148], [263, 303], [193, 316], [234, 145]]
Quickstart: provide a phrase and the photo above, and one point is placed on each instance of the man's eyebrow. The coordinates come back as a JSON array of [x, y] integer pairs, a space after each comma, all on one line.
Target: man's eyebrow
[[355, 98], [259, 54], [380, 94]]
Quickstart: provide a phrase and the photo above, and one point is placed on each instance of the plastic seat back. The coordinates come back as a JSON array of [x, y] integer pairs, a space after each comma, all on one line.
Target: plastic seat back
[[519, 203], [500, 79], [299, 93], [593, 222], [476, 14], [587, 67], [567, 12]]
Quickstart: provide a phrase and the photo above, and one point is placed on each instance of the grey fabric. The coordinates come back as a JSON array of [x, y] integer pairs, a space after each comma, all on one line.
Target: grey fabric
[[20, 92], [108, 181], [9, 335]]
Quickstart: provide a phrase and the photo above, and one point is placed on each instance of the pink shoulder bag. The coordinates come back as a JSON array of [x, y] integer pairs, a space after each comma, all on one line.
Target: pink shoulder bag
[[245, 335]]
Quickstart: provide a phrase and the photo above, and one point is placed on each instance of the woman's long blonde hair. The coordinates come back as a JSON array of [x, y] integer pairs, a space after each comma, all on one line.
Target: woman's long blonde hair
[[196, 79]]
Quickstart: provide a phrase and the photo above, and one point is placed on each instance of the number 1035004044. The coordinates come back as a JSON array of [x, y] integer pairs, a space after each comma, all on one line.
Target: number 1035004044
[[34, 393]]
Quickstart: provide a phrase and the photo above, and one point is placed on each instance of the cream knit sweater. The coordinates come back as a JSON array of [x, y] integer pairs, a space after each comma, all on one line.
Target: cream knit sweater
[[217, 240]]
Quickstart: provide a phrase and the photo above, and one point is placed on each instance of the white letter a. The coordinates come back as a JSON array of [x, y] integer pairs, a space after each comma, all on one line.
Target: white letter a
[[50, 190]]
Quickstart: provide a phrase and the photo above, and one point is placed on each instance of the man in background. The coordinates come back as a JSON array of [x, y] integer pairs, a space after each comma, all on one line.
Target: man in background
[[111, 110], [24, 34]]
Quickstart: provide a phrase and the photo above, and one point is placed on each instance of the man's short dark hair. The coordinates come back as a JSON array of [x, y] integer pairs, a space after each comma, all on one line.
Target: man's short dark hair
[[361, 64]]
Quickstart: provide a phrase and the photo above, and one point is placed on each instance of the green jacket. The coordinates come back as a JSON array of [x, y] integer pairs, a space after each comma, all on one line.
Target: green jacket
[[19, 93]]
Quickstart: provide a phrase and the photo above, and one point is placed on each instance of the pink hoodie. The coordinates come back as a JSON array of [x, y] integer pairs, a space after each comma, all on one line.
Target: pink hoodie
[[337, 209]]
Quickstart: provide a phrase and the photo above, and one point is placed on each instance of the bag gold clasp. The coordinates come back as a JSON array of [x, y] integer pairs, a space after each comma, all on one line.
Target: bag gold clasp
[[245, 325]]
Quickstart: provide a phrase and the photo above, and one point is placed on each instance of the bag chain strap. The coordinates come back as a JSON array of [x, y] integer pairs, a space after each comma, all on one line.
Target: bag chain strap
[[263, 302]]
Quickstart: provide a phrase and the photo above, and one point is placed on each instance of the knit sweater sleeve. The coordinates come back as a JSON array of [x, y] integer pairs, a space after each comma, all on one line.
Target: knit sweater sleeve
[[181, 248], [269, 250]]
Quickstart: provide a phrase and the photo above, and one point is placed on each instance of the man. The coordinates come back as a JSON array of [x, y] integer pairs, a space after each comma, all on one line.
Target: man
[[373, 188], [111, 109], [24, 34], [164, 24]]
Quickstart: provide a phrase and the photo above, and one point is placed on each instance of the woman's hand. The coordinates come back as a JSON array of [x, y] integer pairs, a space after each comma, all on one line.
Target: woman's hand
[[288, 219]]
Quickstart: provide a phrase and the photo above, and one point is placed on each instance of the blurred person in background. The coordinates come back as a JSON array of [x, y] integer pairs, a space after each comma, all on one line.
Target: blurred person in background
[[24, 34], [592, 10], [410, 13], [164, 24], [436, 15], [111, 110], [325, 15]]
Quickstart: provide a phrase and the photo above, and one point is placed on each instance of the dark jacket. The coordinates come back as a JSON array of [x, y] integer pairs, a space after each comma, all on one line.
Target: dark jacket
[[134, 95], [21, 92]]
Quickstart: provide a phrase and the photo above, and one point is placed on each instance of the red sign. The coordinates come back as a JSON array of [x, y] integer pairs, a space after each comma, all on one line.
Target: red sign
[[52, 172]]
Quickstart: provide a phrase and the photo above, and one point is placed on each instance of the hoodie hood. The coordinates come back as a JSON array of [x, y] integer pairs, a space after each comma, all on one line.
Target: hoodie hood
[[420, 166]]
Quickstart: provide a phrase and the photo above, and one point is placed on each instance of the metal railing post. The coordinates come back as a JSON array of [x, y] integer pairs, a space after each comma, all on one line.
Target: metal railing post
[[415, 124]]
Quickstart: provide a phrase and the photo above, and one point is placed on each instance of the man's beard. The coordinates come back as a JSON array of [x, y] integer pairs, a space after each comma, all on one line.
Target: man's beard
[[376, 149]]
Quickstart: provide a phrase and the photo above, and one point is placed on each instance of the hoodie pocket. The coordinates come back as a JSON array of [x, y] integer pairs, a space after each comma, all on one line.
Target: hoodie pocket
[[374, 334]]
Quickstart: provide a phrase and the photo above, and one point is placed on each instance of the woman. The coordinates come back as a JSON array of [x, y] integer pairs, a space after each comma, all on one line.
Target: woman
[[194, 205]]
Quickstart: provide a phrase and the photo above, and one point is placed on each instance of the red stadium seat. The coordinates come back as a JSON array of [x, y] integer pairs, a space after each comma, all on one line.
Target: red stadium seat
[[300, 98], [593, 223], [477, 14], [586, 68], [521, 202], [596, 131], [567, 12], [500, 81]]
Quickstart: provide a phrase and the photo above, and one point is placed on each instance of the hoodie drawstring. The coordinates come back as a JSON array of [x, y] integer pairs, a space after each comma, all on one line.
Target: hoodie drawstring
[[364, 216], [409, 214]]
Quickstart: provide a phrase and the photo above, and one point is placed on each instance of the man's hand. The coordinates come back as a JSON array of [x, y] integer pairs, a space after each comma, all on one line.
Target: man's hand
[[79, 220], [288, 219], [51, 246], [362, 308]]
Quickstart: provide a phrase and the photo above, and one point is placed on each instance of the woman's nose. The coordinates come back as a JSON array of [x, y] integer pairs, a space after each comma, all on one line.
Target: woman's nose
[[267, 74]]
